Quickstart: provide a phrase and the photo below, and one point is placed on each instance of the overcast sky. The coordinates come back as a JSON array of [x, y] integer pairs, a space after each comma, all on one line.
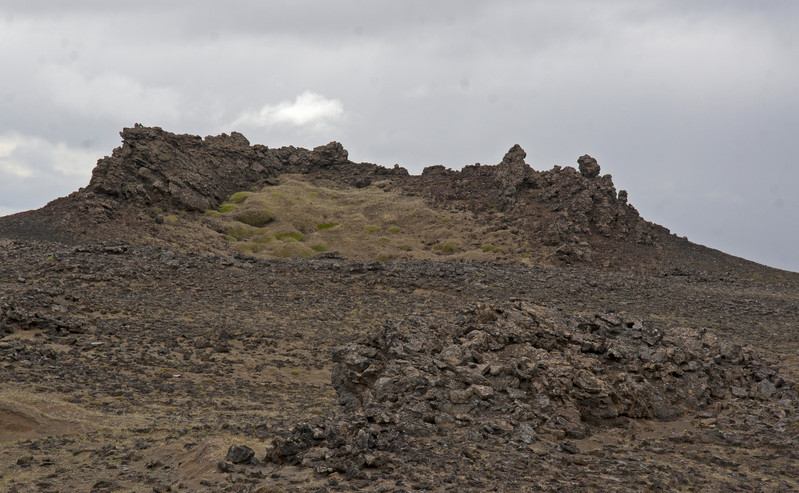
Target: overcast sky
[[693, 107]]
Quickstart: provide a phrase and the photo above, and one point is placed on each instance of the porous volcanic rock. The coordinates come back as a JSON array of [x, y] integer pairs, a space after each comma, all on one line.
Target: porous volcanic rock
[[187, 172], [589, 168], [518, 372]]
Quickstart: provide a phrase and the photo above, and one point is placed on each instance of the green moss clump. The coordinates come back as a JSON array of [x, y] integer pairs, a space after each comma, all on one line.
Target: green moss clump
[[239, 197], [228, 207], [319, 247], [488, 247], [248, 247], [383, 257], [290, 236], [264, 238], [383, 239], [445, 219], [327, 225], [371, 229], [405, 248], [294, 250], [448, 247], [238, 231], [254, 217], [171, 219], [211, 213], [394, 230]]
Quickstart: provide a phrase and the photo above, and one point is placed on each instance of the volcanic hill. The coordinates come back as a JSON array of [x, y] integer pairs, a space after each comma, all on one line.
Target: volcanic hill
[[210, 315]]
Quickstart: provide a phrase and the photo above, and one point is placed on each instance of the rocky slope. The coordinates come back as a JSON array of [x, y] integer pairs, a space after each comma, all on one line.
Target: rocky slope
[[145, 347], [563, 215]]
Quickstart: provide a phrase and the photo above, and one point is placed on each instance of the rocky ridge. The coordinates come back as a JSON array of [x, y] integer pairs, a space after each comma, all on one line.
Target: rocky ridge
[[577, 216]]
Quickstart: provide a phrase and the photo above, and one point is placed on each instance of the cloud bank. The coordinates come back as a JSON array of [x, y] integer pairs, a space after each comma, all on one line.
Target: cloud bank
[[690, 105]]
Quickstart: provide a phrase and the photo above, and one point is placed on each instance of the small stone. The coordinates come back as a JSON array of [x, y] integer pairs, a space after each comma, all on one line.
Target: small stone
[[239, 454]]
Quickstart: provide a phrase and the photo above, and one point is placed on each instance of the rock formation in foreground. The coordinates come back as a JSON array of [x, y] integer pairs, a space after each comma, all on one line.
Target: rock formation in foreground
[[512, 375]]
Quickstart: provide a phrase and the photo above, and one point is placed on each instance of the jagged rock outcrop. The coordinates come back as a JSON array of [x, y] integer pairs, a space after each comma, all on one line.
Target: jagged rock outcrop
[[588, 166], [186, 172], [518, 372]]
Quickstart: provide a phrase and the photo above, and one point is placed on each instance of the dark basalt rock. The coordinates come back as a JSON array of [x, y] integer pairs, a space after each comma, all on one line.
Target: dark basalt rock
[[520, 371], [589, 168]]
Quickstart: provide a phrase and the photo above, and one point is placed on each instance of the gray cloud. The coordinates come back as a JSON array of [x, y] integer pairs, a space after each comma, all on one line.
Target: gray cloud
[[690, 105]]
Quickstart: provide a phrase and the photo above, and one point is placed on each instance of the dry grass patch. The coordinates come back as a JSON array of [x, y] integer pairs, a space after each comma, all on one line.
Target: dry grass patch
[[297, 219]]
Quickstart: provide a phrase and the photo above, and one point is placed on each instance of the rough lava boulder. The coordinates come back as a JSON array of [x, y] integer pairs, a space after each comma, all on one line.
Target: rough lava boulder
[[190, 173], [517, 372]]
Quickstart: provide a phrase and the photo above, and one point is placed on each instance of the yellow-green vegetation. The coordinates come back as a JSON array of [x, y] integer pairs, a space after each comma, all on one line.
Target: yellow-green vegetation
[[290, 236], [448, 247], [238, 230], [294, 249], [297, 218], [239, 197], [253, 216], [226, 207], [171, 219]]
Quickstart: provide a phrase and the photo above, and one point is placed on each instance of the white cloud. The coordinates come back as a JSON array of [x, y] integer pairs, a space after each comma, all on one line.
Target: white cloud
[[9, 165], [7, 211], [25, 157], [309, 110], [109, 95]]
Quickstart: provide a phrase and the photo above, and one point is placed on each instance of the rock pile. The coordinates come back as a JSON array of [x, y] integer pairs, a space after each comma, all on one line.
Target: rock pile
[[517, 373], [37, 309]]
